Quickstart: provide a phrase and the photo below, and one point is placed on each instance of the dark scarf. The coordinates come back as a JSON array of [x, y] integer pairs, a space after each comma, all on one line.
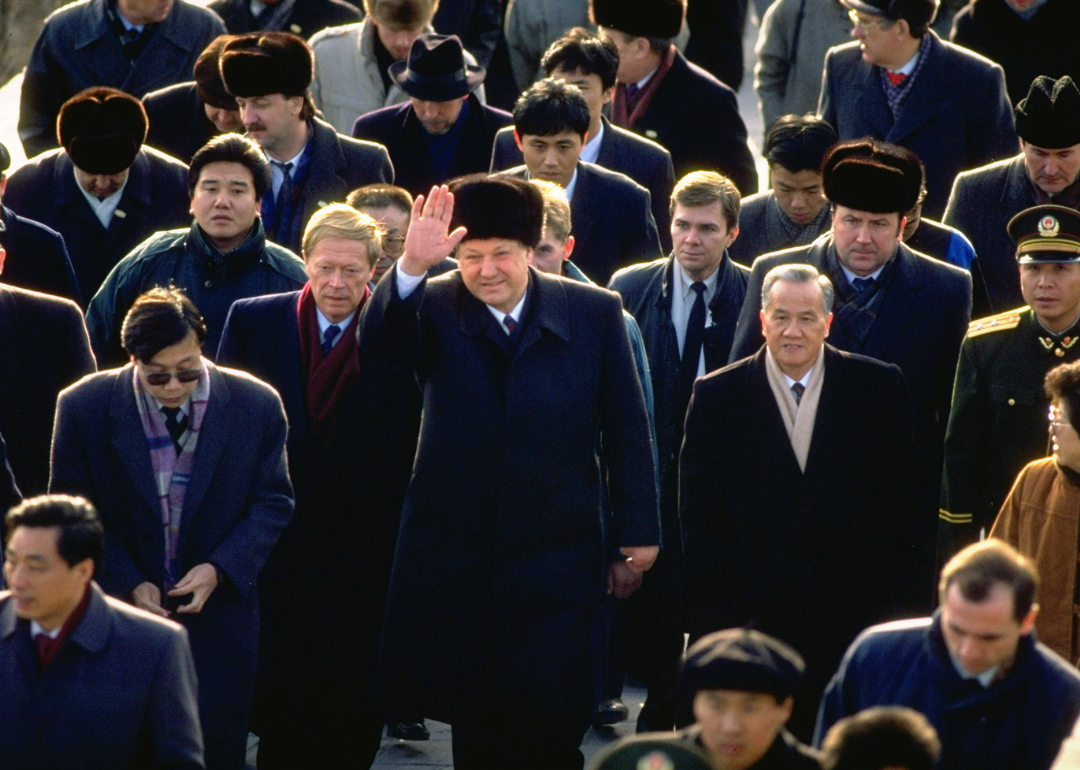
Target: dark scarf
[[785, 233], [383, 59], [132, 41], [283, 219], [326, 378], [627, 115], [895, 95], [855, 311], [47, 650], [441, 147]]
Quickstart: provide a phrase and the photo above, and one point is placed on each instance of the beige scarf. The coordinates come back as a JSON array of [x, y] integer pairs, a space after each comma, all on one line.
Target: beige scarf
[[798, 418]]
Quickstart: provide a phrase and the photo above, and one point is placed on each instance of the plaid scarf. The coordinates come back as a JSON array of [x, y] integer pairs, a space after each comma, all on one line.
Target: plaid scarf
[[895, 95], [172, 473], [782, 231], [853, 310]]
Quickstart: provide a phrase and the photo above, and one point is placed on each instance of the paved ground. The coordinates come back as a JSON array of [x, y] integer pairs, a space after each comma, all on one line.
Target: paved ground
[[435, 753]]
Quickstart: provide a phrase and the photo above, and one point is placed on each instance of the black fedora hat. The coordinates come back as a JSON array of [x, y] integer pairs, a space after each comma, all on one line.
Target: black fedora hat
[[436, 70]]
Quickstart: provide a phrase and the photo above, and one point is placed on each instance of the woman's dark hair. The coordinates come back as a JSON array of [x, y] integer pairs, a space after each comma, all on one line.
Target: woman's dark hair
[[550, 107], [232, 148], [1062, 384], [159, 318], [799, 142], [81, 534], [580, 49]]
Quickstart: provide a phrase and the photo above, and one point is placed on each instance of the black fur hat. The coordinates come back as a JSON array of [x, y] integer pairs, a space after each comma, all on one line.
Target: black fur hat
[[208, 84], [498, 207], [264, 63], [873, 176], [102, 129], [1049, 116], [641, 18]]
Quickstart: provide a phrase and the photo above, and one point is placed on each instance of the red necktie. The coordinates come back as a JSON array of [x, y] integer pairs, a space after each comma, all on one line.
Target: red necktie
[[896, 78], [45, 645]]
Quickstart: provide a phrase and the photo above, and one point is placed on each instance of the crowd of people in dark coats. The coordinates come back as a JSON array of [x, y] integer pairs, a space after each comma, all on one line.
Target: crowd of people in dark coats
[[366, 362]]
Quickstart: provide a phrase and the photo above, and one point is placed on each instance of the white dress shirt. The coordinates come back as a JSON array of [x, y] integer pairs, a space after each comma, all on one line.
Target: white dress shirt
[[277, 176], [682, 303], [325, 323], [591, 151]]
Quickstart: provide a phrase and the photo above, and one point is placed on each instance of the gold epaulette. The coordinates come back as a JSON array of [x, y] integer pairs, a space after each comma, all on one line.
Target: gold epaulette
[[955, 518], [1007, 320]]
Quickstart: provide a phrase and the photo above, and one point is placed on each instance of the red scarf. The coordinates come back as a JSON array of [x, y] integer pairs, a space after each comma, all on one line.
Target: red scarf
[[621, 114], [326, 378], [47, 648]]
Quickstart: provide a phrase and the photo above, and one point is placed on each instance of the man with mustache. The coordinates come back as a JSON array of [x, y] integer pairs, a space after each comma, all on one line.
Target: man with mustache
[[1046, 171]]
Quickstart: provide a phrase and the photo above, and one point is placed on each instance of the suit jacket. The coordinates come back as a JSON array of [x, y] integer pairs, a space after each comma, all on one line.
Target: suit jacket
[[399, 130], [793, 553], [178, 123], [340, 164], [919, 328], [981, 205], [154, 198], [754, 235], [641, 159], [305, 19], [956, 117], [610, 221], [477, 22], [37, 258], [696, 118], [499, 566], [43, 349], [121, 693], [349, 490], [78, 49], [238, 501]]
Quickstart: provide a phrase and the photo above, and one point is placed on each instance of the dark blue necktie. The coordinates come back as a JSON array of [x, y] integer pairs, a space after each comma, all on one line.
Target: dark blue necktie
[[511, 326], [797, 390], [328, 338], [862, 284], [631, 92], [691, 356]]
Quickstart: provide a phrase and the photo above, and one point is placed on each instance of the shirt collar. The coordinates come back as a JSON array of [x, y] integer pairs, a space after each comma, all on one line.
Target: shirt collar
[[851, 276], [35, 629], [986, 678], [571, 185], [805, 379], [685, 283], [103, 208], [591, 150], [641, 83], [515, 313], [325, 323], [184, 407], [127, 24], [908, 68]]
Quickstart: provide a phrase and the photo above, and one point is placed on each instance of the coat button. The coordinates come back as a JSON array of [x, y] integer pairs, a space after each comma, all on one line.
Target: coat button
[[207, 284], [1012, 402]]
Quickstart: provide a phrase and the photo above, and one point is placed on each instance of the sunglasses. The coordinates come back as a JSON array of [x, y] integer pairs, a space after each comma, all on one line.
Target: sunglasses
[[162, 378]]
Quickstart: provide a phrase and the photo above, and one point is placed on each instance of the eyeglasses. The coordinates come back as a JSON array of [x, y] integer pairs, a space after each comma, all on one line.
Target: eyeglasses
[[158, 379], [393, 245], [863, 23]]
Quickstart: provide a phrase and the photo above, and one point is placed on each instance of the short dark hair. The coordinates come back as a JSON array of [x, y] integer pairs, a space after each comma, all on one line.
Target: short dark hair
[[580, 49], [1063, 385], [981, 566], [550, 107], [159, 318], [880, 737], [81, 534], [231, 148], [799, 143], [380, 196]]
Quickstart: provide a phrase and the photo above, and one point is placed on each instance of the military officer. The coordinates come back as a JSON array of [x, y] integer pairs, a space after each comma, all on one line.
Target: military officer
[[998, 420]]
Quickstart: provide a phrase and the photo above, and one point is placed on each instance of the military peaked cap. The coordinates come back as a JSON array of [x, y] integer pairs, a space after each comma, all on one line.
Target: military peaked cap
[[647, 752], [1046, 234]]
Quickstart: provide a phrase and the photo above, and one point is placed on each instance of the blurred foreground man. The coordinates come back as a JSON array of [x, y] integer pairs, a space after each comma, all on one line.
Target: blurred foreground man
[[86, 679], [492, 620], [997, 697]]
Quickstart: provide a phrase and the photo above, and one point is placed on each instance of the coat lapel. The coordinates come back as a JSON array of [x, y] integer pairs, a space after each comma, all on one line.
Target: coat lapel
[[11, 364], [581, 214], [773, 432], [100, 49], [823, 443], [901, 301], [867, 92], [129, 439], [213, 436], [1016, 195], [547, 298], [324, 184], [921, 104]]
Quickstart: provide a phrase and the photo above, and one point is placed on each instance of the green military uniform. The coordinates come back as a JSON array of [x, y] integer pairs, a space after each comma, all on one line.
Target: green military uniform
[[998, 422]]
